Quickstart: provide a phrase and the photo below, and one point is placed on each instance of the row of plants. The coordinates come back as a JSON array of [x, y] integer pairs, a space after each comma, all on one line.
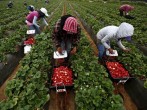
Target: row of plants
[[23, 89], [135, 62], [12, 33], [136, 54], [94, 90], [9, 45], [108, 14], [27, 91], [18, 17]]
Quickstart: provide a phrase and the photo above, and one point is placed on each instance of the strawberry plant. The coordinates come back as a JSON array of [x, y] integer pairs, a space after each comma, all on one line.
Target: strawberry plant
[[93, 88], [28, 87]]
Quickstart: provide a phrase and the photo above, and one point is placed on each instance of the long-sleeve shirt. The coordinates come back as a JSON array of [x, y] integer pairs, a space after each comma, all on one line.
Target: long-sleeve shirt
[[108, 33], [126, 8], [58, 37], [32, 18]]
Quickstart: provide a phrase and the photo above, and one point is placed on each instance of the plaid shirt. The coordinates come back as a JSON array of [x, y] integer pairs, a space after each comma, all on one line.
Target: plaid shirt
[[59, 37]]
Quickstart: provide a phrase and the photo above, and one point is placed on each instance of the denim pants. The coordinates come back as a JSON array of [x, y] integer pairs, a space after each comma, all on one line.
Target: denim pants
[[101, 50], [33, 27], [65, 46]]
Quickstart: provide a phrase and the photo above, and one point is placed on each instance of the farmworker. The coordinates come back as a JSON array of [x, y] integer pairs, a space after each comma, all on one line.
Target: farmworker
[[66, 35], [125, 30], [46, 1], [33, 17], [31, 8], [124, 10], [25, 3], [10, 4]]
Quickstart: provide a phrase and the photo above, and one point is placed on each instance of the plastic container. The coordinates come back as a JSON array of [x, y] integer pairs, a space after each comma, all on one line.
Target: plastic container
[[117, 72], [60, 86]]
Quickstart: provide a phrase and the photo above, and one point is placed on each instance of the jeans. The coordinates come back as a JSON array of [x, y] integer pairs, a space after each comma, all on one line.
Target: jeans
[[101, 50], [33, 27], [65, 46]]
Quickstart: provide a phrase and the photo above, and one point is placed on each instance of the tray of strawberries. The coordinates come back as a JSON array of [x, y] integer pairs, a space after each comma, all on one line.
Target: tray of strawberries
[[62, 76], [117, 72]]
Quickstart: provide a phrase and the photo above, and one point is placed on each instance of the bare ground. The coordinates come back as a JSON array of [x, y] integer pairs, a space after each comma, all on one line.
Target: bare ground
[[62, 101]]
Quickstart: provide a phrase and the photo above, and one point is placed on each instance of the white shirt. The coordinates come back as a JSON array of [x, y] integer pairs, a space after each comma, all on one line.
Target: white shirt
[[109, 33]]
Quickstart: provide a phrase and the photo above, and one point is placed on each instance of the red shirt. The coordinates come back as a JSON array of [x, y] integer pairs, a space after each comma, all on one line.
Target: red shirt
[[126, 8], [30, 17]]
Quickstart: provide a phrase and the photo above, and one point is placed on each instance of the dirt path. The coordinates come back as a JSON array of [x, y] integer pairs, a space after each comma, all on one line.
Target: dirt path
[[2, 88], [62, 101], [94, 47]]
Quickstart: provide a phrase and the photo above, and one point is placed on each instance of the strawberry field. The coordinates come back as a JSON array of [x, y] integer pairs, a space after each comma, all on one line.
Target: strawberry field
[[93, 88]]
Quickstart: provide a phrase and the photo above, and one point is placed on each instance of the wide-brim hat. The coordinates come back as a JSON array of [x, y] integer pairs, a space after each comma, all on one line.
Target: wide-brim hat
[[128, 38], [43, 10]]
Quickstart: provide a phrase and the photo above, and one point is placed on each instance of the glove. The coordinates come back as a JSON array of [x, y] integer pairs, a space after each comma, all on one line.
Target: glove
[[126, 50], [73, 51]]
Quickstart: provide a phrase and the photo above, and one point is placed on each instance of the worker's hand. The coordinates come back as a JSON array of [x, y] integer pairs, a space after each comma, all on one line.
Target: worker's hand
[[126, 50], [110, 50], [59, 49], [73, 51]]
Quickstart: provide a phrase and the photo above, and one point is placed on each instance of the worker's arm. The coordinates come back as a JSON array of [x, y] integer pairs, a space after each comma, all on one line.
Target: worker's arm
[[122, 47], [104, 41], [106, 45], [28, 23], [44, 20], [120, 44], [35, 22]]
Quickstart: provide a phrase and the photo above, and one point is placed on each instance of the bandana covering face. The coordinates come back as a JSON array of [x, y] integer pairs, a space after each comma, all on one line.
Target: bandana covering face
[[128, 38], [70, 25]]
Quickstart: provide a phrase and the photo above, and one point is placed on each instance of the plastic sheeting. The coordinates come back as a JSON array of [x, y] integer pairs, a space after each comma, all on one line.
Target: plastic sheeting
[[7, 69], [137, 92]]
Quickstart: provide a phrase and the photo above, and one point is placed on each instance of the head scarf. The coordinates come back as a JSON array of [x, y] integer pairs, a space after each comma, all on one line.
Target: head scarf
[[70, 25]]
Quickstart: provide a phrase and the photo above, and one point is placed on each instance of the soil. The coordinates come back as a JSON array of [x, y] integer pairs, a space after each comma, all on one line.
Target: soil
[[62, 101], [94, 47]]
